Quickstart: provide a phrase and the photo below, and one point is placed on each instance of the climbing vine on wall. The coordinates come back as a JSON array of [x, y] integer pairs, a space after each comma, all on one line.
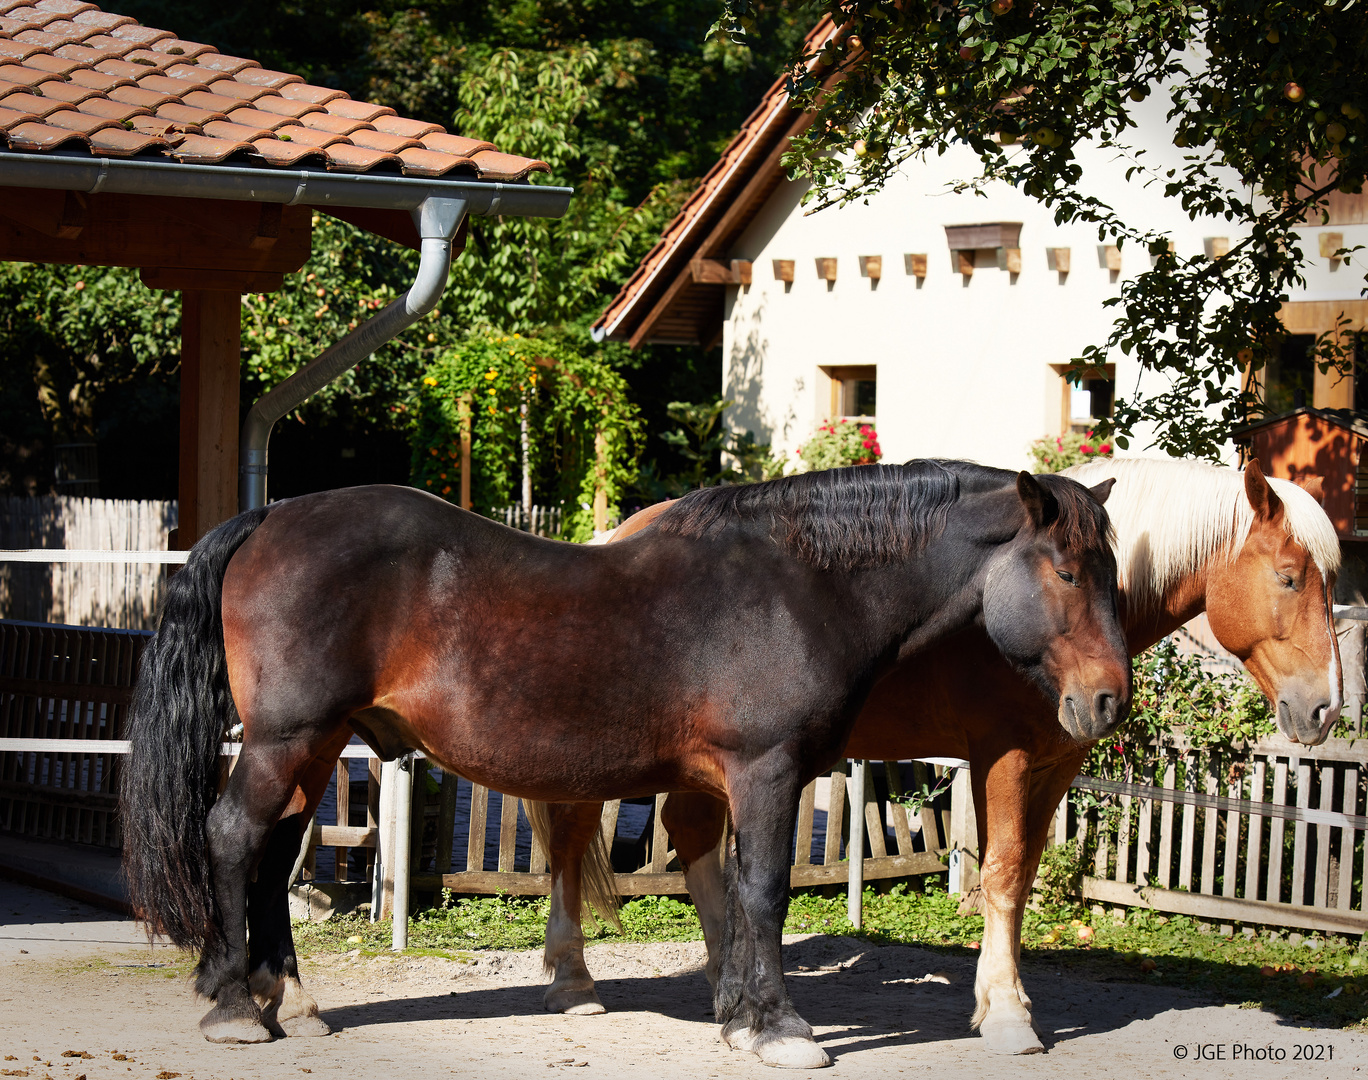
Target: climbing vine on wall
[[584, 433]]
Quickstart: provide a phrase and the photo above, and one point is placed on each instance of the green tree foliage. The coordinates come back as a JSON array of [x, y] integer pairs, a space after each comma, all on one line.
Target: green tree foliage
[[583, 429], [82, 350], [1267, 98], [626, 101]]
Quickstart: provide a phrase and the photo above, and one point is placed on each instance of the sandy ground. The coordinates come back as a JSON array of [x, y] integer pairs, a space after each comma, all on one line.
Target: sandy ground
[[76, 981]]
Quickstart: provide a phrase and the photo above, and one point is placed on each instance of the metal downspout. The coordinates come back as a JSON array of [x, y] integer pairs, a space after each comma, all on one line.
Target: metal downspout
[[437, 220]]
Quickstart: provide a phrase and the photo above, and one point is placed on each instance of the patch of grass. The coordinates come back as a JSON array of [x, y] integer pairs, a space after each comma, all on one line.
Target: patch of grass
[[1266, 972]]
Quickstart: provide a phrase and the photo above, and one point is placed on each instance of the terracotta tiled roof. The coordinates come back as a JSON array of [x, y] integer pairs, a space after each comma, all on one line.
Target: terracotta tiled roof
[[75, 77], [661, 302]]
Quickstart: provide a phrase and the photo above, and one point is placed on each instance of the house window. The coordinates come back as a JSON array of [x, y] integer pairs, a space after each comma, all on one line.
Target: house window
[[854, 392], [1086, 401], [1289, 379]]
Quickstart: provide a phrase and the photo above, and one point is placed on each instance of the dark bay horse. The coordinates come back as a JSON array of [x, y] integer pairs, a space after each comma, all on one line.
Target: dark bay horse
[[1257, 555], [727, 652]]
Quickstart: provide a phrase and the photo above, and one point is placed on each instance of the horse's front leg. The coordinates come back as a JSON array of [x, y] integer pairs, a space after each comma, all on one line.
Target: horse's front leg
[[751, 1000], [572, 828], [1001, 788], [696, 824], [1016, 812]]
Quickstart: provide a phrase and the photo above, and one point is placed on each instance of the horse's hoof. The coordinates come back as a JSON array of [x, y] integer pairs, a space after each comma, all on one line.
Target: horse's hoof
[[305, 1027], [793, 1053], [737, 1035], [1007, 1037], [220, 1026], [574, 1002]]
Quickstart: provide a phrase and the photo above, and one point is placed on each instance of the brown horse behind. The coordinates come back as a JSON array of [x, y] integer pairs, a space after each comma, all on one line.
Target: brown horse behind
[[1258, 556]]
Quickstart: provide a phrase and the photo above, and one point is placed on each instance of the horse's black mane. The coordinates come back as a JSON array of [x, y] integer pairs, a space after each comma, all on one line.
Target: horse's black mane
[[866, 515]]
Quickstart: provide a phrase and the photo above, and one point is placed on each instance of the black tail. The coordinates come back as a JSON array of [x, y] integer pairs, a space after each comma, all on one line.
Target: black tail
[[181, 710]]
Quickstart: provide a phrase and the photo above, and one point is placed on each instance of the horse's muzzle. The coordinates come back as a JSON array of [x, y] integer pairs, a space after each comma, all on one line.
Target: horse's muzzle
[[1303, 722], [1089, 715]]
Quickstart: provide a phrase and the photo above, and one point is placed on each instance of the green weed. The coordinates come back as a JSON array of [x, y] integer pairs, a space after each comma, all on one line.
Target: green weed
[[1267, 971]]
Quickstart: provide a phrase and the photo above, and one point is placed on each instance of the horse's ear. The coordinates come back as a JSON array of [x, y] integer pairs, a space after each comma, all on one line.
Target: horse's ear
[[1313, 486], [1039, 503], [1260, 492], [1102, 490]]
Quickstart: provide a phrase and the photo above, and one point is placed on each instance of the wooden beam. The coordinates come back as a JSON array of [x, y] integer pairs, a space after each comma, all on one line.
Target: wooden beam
[[710, 272], [915, 265], [142, 230], [211, 339], [178, 279], [648, 884], [60, 214], [717, 272]]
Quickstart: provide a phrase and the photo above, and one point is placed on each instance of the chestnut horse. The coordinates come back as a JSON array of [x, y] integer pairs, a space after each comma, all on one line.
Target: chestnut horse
[[727, 652], [1257, 555]]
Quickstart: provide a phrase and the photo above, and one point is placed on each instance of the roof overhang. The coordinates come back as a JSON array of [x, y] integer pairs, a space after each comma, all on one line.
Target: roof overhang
[[293, 187], [664, 301]]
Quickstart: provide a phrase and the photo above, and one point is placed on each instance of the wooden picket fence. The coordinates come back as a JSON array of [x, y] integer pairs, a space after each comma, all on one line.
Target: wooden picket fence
[[88, 594], [542, 520], [919, 844], [1278, 839]]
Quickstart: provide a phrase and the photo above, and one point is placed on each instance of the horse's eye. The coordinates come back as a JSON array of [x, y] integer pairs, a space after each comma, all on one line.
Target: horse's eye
[[1287, 581], [1066, 577]]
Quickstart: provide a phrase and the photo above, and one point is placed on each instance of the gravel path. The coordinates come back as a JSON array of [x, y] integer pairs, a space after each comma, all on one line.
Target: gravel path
[[76, 980]]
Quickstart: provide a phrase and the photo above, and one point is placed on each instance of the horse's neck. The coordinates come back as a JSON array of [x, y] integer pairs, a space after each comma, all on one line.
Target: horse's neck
[[1182, 601]]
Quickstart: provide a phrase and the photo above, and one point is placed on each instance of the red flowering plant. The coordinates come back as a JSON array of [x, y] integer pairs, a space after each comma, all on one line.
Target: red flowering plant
[[838, 443], [1057, 453]]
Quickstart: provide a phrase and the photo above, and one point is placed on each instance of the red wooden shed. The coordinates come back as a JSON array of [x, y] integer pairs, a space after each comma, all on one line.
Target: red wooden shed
[[1328, 443]]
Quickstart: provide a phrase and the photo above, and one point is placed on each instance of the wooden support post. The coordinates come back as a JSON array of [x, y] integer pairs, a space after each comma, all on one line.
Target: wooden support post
[[466, 412], [211, 338], [855, 852], [963, 839]]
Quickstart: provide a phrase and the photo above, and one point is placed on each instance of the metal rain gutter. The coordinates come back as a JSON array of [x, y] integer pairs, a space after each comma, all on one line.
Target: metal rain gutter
[[437, 220], [309, 187]]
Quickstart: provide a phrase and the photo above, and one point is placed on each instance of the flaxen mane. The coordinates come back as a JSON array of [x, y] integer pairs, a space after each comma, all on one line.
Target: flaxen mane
[[1172, 517]]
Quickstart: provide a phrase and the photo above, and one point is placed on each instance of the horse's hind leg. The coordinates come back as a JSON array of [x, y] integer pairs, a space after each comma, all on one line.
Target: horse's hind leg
[[696, 825], [572, 829], [286, 1007], [239, 829]]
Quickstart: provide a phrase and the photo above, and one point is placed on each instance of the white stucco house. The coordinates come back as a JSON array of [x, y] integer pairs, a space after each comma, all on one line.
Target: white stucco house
[[947, 318]]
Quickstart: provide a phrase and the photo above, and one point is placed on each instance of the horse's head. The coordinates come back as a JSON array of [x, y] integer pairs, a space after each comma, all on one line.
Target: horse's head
[[1049, 604], [1269, 604]]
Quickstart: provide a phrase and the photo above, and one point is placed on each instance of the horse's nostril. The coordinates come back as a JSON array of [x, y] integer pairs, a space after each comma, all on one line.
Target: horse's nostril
[[1104, 707]]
